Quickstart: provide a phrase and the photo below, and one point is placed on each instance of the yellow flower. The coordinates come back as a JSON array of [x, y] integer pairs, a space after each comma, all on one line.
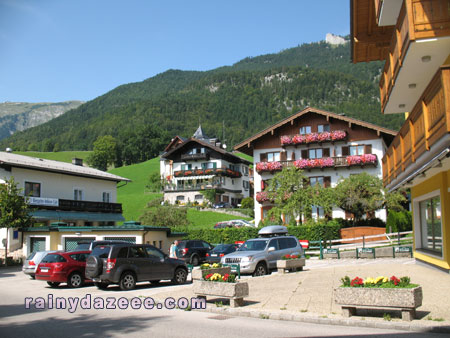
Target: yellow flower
[[215, 265], [385, 280], [378, 279], [206, 265], [369, 280]]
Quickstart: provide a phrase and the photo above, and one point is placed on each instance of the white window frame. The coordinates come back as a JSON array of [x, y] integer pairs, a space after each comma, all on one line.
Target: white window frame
[[109, 192], [82, 193], [418, 225], [34, 181]]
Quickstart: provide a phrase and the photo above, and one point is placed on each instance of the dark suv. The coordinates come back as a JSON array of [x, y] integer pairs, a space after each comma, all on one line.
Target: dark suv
[[89, 245], [125, 264], [193, 251]]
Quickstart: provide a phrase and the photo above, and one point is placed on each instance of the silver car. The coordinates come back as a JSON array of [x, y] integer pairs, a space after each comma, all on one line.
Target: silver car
[[259, 256], [31, 263]]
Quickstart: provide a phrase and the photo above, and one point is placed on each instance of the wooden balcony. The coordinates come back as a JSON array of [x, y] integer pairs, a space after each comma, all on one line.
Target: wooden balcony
[[195, 157], [86, 206], [193, 187], [418, 20], [428, 122], [206, 172]]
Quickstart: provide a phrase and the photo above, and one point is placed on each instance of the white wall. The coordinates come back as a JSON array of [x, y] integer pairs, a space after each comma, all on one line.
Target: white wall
[[55, 185]]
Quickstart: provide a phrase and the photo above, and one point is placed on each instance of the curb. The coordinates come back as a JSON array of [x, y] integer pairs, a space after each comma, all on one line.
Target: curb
[[415, 327]]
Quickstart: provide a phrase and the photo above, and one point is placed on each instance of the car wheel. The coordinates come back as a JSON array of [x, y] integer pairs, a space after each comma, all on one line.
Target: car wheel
[[75, 280], [101, 286], [180, 276], [53, 284], [194, 260], [154, 282], [260, 270], [127, 281]]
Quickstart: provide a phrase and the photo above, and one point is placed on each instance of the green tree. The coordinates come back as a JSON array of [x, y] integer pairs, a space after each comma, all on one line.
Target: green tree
[[210, 195], [247, 203], [155, 182], [104, 153], [14, 211], [165, 216], [364, 193]]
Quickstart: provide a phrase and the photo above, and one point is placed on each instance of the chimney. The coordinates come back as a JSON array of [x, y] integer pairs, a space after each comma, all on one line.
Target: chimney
[[77, 161]]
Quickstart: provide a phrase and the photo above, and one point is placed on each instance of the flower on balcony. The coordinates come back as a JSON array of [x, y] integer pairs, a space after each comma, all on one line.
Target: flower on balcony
[[314, 163], [199, 172], [325, 136], [275, 166], [312, 137], [361, 159], [286, 140], [188, 173], [338, 135], [178, 173], [298, 139], [208, 171], [262, 166], [262, 196]]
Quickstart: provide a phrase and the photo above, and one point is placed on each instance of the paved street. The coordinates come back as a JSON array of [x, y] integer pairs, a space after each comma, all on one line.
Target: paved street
[[16, 321]]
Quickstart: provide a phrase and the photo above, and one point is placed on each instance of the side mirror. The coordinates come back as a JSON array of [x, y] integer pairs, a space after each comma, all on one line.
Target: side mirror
[[272, 248]]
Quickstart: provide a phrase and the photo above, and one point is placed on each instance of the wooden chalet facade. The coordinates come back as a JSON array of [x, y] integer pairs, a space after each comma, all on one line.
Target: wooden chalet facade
[[326, 146], [413, 38]]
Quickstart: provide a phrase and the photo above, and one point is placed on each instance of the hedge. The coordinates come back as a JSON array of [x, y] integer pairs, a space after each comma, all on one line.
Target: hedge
[[230, 235]]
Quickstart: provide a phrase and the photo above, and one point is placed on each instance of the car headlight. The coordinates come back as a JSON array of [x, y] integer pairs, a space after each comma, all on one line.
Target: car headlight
[[246, 259]]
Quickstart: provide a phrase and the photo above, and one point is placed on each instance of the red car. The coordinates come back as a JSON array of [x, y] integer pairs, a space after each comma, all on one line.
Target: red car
[[63, 267]]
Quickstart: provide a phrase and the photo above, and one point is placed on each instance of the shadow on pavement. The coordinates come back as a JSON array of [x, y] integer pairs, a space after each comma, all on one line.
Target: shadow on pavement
[[80, 326], [17, 310]]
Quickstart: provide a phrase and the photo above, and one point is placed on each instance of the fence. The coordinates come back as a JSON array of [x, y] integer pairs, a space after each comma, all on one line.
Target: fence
[[334, 246]]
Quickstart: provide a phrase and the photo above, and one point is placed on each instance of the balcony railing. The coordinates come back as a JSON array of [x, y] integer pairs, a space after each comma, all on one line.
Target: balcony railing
[[195, 157], [211, 171], [417, 20], [192, 187], [427, 124], [86, 206], [319, 163], [313, 138]]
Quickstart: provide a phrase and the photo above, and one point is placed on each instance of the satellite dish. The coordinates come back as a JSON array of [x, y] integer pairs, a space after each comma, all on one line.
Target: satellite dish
[[224, 146], [8, 150]]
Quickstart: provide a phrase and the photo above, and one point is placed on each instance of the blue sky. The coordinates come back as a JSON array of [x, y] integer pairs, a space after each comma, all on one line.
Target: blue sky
[[58, 50]]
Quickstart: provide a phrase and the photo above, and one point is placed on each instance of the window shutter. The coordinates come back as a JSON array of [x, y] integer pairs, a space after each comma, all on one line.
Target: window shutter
[[293, 156], [262, 185], [327, 181], [263, 157], [368, 149], [214, 165], [326, 152], [345, 151], [305, 153], [283, 156]]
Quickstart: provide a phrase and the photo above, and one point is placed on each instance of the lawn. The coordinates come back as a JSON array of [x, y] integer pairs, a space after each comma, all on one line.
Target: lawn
[[133, 195], [63, 156], [207, 219]]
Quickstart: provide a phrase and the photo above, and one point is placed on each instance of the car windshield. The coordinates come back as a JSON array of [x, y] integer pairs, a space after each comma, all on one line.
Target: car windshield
[[254, 245], [82, 246]]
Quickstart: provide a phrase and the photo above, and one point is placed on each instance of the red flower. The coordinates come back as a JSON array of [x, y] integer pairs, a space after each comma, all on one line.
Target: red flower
[[395, 280], [356, 282], [208, 276], [287, 256]]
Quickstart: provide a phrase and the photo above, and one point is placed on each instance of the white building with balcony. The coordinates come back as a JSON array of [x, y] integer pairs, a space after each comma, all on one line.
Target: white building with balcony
[[201, 163], [326, 146]]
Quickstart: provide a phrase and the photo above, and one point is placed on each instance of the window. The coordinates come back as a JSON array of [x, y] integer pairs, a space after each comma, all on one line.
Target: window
[[186, 167], [137, 252], [316, 180], [198, 197], [245, 169], [49, 258], [123, 253], [180, 198], [357, 150], [245, 184], [305, 130], [323, 127], [154, 253], [274, 243], [430, 224], [315, 153], [286, 243], [79, 257], [273, 157], [317, 212], [77, 194], [106, 197], [32, 189]]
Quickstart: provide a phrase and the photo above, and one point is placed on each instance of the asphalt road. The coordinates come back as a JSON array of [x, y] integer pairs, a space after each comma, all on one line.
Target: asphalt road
[[18, 321]]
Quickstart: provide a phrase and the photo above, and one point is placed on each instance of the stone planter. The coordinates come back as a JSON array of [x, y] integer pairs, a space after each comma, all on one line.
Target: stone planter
[[233, 291], [290, 264], [198, 273], [406, 300]]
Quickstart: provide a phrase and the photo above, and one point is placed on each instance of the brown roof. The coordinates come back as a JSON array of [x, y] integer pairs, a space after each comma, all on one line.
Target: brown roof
[[225, 153], [246, 145]]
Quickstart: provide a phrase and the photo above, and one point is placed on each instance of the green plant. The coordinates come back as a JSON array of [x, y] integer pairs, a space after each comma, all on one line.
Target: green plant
[[378, 282], [399, 221], [304, 310], [218, 304], [263, 316], [283, 308], [247, 203], [387, 316], [217, 277]]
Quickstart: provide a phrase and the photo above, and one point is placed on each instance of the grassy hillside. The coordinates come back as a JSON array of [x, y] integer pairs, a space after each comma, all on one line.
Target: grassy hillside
[[134, 196], [63, 156]]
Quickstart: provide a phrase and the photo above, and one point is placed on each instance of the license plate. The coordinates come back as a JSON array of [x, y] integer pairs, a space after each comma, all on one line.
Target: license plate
[[213, 255], [44, 269]]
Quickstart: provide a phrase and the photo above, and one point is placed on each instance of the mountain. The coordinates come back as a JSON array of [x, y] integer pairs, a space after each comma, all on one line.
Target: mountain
[[245, 97], [18, 116]]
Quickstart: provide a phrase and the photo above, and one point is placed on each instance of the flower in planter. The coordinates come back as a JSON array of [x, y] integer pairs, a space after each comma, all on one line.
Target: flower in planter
[[262, 196], [187, 173], [288, 257], [325, 136], [275, 166], [210, 266], [312, 137], [338, 135], [262, 166], [378, 282], [217, 277], [286, 140]]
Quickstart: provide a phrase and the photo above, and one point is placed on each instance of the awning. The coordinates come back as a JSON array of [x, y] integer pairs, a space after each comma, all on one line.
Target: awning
[[76, 216], [195, 177]]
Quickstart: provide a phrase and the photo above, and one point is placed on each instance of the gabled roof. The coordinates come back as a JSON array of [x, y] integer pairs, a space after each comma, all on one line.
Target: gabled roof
[[226, 154], [34, 163], [174, 142], [246, 146], [199, 134]]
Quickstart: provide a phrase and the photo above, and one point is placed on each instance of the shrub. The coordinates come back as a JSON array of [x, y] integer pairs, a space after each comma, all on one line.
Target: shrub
[[247, 203], [373, 222], [399, 221]]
